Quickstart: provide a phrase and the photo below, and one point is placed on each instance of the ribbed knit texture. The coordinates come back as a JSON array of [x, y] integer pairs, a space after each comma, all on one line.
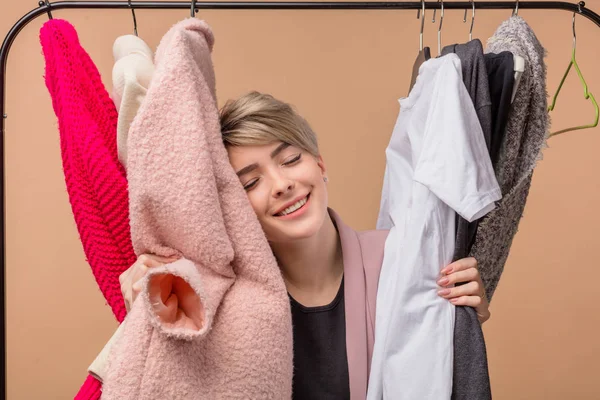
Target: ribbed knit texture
[[96, 181], [90, 390]]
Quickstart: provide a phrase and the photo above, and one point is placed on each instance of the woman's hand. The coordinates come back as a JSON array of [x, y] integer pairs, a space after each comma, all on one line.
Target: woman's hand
[[471, 293], [131, 279]]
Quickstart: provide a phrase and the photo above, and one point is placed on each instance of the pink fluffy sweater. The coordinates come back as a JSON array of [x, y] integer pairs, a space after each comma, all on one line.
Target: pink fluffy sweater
[[215, 324]]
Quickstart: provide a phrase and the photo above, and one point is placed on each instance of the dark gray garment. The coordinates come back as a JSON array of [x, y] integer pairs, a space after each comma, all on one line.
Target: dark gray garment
[[471, 379], [521, 148], [501, 77], [475, 78], [423, 56]]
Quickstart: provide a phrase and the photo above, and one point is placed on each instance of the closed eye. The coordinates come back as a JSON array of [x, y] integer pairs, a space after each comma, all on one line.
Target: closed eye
[[293, 160], [250, 185]]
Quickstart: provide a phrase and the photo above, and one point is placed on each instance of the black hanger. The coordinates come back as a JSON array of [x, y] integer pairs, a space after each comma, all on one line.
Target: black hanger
[[46, 3], [134, 19], [193, 11]]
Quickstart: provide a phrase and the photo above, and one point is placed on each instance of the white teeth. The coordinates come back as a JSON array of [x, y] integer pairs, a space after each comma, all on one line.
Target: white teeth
[[293, 207]]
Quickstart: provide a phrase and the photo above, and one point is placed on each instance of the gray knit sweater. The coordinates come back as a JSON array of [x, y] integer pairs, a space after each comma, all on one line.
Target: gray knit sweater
[[526, 134]]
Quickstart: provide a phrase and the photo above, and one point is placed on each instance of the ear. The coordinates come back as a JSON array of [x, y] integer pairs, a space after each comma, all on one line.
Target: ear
[[321, 164]]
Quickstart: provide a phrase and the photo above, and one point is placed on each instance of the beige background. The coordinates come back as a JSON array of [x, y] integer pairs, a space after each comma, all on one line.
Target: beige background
[[344, 70]]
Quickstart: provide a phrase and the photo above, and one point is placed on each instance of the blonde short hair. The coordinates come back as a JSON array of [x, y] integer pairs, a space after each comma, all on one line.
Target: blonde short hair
[[259, 119]]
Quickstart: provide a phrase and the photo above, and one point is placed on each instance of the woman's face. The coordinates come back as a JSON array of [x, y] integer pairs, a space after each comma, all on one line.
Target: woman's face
[[285, 187]]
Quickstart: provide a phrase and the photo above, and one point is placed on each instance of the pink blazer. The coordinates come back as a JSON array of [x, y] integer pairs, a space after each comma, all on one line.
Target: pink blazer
[[363, 256]]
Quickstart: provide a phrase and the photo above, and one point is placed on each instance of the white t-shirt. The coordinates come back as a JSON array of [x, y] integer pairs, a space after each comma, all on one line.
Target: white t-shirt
[[437, 165]]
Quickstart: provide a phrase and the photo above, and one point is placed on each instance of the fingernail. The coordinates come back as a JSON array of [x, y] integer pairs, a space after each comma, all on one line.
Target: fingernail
[[443, 281], [454, 301], [448, 270], [444, 292]]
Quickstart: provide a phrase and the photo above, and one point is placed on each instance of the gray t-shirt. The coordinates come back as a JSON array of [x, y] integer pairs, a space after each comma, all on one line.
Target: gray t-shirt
[[471, 380]]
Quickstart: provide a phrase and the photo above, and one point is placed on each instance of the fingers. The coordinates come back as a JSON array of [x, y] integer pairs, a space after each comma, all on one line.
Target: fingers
[[140, 266], [469, 301], [471, 293], [468, 275], [136, 287], [131, 279], [483, 317], [469, 289], [152, 261], [481, 306], [125, 282], [460, 265], [145, 263], [467, 295]]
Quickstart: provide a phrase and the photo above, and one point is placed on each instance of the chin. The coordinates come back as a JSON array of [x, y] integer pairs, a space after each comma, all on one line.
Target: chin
[[302, 231]]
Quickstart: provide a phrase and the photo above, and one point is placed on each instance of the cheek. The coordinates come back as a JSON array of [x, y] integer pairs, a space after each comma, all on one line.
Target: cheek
[[307, 174], [259, 200]]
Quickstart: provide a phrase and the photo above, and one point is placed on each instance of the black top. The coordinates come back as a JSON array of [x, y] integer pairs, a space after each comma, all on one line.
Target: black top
[[320, 360]]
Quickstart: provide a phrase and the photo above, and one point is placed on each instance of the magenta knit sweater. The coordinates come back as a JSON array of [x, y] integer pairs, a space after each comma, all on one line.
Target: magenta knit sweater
[[95, 179]]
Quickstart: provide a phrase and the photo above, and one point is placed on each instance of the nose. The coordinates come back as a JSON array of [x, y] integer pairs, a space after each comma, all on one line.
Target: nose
[[282, 185]]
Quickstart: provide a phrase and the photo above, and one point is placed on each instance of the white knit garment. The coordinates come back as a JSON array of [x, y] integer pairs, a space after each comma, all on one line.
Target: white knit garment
[[131, 76]]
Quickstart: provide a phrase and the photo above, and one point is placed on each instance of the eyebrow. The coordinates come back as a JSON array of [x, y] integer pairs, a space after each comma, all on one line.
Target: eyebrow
[[279, 149], [247, 169], [253, 166]]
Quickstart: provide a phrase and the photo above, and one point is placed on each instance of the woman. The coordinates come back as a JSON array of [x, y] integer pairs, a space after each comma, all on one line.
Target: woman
[[275, 154]]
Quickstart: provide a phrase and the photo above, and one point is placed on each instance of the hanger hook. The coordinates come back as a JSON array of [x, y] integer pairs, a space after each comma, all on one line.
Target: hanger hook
[[472, 20], [580, 10], [440, 26], [193, 10], [574, 34], [134, 19], [46, 3], [516, 10], [422, 17], [435, 9]]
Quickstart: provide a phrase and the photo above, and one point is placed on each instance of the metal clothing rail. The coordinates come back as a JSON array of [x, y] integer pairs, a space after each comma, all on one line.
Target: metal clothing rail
[[45, 8]]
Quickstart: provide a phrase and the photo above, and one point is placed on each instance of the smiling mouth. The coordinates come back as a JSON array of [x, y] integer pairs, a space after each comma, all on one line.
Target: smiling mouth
[[294, 207]]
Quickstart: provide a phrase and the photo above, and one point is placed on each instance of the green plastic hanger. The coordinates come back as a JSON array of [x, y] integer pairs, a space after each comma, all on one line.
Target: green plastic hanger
[[587, 94]]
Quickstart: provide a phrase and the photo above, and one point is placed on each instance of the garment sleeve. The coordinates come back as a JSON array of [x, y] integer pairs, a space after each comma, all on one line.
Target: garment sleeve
[[452, 160], [384, 221], [98, 367]]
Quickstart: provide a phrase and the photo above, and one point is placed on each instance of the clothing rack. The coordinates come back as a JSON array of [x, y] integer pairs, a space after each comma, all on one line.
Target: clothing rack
[[45, 8]]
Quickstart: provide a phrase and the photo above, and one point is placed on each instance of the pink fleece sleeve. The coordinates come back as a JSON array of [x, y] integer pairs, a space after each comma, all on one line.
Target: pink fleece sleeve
[[181, 299], [173, 180]]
